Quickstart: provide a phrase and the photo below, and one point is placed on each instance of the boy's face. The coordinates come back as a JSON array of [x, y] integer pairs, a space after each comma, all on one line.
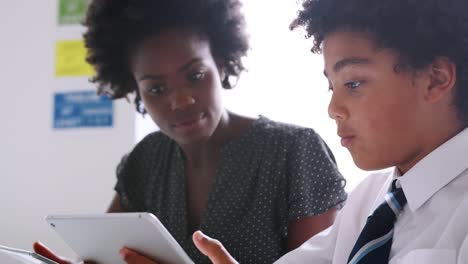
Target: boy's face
[[377, 109]]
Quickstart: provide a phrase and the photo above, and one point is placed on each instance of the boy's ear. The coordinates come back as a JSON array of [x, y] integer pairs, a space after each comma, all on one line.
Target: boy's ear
[[443, 76]]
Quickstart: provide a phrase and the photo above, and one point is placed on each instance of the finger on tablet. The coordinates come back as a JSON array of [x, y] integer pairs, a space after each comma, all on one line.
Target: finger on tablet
[[212, 248]]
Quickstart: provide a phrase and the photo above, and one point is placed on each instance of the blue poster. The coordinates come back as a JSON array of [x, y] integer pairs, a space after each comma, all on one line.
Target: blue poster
[[82, 109]]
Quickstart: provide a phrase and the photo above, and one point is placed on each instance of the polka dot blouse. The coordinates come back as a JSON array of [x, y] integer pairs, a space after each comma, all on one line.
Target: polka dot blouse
[[270, 175]]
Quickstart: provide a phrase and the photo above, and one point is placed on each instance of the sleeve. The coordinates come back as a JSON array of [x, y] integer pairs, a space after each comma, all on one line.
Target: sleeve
[[127, 186], [319, 249], [315, 184]]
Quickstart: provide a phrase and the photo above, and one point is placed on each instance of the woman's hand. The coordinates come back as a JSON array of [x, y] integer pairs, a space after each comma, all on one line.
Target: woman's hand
[[212, 248], [128, 255], [41, 249], [133, 257]]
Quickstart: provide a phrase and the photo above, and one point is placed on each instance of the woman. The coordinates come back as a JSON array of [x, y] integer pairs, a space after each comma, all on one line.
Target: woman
[[207, 168]]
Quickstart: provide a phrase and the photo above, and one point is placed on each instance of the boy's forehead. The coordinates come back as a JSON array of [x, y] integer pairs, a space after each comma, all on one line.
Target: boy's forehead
[[346, 42], [344, 48], [346, 45]]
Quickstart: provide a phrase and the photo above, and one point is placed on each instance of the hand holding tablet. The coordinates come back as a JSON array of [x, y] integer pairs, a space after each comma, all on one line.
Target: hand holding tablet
[[26, 256], [100, 237]]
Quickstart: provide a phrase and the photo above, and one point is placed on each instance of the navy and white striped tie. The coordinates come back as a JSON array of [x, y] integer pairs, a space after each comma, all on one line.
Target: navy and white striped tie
[[374, 243]]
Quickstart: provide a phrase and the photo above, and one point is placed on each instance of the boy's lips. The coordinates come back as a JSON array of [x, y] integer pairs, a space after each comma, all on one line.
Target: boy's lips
[[346, 138], [346, 141]]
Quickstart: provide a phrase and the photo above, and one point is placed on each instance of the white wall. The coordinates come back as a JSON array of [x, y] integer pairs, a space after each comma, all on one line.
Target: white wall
[[45, 171]]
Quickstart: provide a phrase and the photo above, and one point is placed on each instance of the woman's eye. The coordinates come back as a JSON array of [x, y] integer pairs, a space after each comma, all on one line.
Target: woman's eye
[[156, 89], [353, 85], [196, 76]]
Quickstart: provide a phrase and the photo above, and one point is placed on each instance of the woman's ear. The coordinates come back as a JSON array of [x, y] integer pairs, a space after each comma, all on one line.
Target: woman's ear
[[222, 72], [443, 76]]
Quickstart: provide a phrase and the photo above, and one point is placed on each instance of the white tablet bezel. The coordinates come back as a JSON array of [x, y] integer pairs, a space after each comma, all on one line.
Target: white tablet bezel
[[99, 237]]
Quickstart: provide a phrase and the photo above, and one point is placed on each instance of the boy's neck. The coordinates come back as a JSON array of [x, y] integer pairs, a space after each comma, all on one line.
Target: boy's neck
[[438, 135]]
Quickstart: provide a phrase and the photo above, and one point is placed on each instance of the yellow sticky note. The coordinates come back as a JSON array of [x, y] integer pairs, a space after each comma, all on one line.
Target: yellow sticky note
[[70, 59]]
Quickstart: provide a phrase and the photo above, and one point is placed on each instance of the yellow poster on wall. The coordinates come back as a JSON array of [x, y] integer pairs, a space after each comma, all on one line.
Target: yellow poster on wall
[[70, 59]]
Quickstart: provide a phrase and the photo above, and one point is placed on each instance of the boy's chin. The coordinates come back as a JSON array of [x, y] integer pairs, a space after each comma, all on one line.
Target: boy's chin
[[370, 165]]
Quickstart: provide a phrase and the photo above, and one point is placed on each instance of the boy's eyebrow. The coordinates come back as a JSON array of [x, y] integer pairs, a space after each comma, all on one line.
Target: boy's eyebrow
[[181, 69], [347, 62]]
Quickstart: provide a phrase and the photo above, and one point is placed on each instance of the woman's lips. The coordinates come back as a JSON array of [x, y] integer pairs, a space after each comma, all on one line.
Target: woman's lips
[[189, 124]]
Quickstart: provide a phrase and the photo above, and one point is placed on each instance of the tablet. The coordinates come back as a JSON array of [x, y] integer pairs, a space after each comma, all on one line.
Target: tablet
[[99, 237], [26, 256]]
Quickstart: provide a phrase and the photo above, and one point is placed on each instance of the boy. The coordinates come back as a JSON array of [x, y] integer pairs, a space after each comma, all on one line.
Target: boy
[[398, 70]]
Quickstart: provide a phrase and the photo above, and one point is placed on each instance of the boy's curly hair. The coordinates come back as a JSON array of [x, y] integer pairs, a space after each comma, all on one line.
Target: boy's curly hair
[[418, 30], [115, 27]]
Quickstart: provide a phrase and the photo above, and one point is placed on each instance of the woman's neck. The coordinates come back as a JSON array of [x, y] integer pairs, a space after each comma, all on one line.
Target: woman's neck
[[230, 127]]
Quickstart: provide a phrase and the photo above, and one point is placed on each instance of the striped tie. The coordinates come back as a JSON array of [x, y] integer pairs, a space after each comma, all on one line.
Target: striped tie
[[375, 240]]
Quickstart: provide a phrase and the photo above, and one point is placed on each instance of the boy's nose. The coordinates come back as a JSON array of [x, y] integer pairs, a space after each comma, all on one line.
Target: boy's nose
[[336, 109]]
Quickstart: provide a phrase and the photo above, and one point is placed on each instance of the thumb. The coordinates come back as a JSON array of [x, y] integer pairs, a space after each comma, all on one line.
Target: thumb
[[212, 248], [132, 257]]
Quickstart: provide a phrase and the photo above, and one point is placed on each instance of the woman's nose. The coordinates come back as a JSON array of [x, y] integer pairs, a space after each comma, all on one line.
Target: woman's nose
[[181, 100]]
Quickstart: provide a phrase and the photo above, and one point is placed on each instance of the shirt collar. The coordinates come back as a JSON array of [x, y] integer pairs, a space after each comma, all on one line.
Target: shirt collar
[[436, 170]]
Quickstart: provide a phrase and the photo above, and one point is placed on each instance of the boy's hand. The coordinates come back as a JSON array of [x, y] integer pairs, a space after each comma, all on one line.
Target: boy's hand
[[213, 249]]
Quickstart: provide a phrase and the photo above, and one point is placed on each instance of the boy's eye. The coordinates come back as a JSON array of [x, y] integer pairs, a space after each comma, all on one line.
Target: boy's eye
[[156, 89], [196, 76], [353, 85]]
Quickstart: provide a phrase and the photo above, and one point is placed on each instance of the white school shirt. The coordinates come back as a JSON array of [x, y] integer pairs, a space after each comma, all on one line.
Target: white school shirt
[[433, 226]]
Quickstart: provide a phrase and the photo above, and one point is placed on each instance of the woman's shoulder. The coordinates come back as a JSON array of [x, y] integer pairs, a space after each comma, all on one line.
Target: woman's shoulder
[[278, 129], [153, 150], [155, 141], [291, 138]]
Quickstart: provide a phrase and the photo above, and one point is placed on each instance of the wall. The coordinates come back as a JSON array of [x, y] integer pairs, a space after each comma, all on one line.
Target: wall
[[45, 171]]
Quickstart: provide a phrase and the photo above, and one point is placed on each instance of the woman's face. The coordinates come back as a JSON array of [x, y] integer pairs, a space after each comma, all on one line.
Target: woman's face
[[179, 83]]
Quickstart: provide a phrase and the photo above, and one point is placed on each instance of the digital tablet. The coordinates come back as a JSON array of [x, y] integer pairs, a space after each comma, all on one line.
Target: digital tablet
[[26, 256], [99, 237]]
